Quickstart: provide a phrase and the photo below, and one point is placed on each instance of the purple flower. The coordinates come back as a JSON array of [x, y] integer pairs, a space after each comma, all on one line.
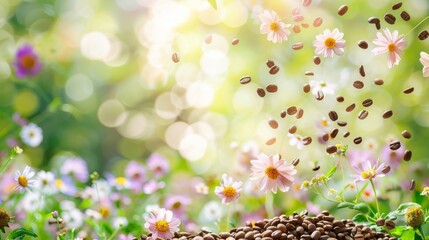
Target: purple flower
[[228, 190], [27, 62], [392, 158], [177, 204], [158, 164], [136, 173], [76, 167], [368, 171]]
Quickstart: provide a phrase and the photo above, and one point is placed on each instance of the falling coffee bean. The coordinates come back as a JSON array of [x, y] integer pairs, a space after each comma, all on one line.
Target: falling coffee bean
[[283, 114], [271, 141], [320, 95], [271, 88], [407, 155], [316, 168], [358, 84], [357, 140], [175, 57], [306, 3], [409, 90], [342, 123], [291, 110], [235, 41], [379, 82], [340, 99], [405, 16], [351, 107], [316, 60], [406, 134], [412, 185], [270, 63], [300, 113], [363, 114], [306, 88], [297, 46], [245, 80], [295, 162], [342, 10], [333, 115], [363, 44], [325, 137], [346, 134], [307, 140], [362, 71], [389, 18], [292, 129], [309, 73], [331, 149], [423, 35], [396, 6], [274, 69], [334, 133], [387, 114], [394, 145], [273, 123], [261, 92], [367, 102], [317, 22], [376, 21]]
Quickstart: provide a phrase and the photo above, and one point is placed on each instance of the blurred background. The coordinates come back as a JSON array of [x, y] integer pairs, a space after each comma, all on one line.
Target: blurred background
[[109, 91]]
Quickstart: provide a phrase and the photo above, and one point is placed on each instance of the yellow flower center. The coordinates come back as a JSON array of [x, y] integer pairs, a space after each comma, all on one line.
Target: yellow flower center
[[121, 181], [271, 172], [391, 47], [161, 226], [368, 174], [177, 205], [330, 43], [59, 183], [28, 61], [229, 191], [274, 26], [104, 212], [324, 123], [22, 181]]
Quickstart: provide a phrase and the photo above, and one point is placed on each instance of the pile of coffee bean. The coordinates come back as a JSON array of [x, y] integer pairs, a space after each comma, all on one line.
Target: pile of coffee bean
[[298, 226]]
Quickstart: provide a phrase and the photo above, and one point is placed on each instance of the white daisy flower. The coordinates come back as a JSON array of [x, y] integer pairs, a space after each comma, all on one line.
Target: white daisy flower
[[46, 182], [31, 134], [25, 183]]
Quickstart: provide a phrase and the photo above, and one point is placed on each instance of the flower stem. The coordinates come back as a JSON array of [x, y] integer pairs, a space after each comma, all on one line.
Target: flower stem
[[269, 207], [421, 232], [11, 156], [114, 234], [418, 24], [375, 195], [228, 216]]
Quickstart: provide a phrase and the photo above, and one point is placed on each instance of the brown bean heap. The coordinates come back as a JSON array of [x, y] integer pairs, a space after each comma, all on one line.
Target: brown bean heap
[[299, 226]]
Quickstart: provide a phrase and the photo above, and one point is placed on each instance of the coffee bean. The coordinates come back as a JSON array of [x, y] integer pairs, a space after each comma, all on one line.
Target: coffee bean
[[407, 155], [276, 234], [291, 110], [380, 222], [340, 99], [405, 16], [235, 41], [283, 114], [406, 134], [274, 69], [270, 63], [389, 18], [271, 88], [306, 88], [320, 95], [245, 80], [394, 145], [295, 162], [396, 6], [376, 21], [363, 44], [175, 57], [315, 235], [387, 114], [266, 233], [358, 84], [412, 185], [331, 149], [346, 134], [351, 107], [316, 60], [363, 114], [273, 123], [296, 29], [390, 224], [362, 71], [367, 102], [378, 82], [249, 235], [357, 140], [309, 73], [386, 169], [423, 35], [317, 22], [297, 46], [271, 141], [300, 113], [325, 137], [342, 10], [292, 129], [305, 25], [239, 235], [408, 90], [333, 115], [342, 123], [224, 235], [307, 140], [334, 133], [261, 92], [306, 3]]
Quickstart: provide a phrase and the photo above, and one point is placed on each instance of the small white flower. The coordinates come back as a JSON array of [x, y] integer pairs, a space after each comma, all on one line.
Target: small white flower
[[73, 218], [46, 182], [272, 26], [119, 222], [424, 60], [202, 188], [31, 135], [211, 212], [296, 140], [24, 179], [330, 42], [326, 88], [91, 213]]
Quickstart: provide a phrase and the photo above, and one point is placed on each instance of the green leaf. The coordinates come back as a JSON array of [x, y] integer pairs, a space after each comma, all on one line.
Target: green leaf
[[213, 3], [398, 230], [360, 218], [20, 233], [346, 205], [361, 191], [362, 207], [417, 236], [408, 234], [331, 171]]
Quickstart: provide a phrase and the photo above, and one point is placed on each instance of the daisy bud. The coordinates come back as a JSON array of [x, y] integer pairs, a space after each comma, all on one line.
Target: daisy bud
[[4, 219], [414, 216]]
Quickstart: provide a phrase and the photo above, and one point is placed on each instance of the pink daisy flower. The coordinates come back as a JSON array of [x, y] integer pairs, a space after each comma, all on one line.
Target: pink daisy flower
[[273, 173], [161, 223], [368, 171], [330, 42], [392, 43], [228, 190], [272, 26], [424, 59]]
